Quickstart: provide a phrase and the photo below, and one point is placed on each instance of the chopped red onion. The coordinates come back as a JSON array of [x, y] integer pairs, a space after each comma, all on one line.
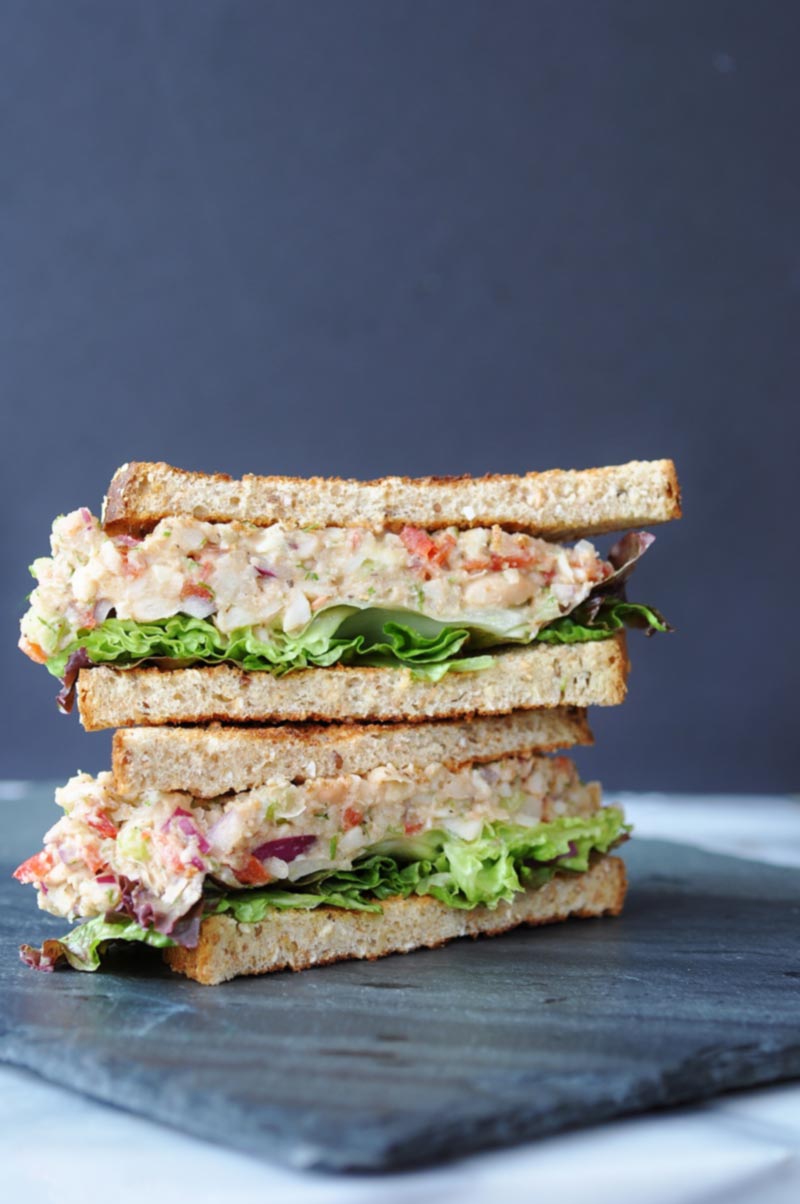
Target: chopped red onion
[[186, 824], [264, 572], [285, 849]]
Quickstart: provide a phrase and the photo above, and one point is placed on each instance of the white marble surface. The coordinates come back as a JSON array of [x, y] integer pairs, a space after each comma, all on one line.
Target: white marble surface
[[740, 1149]]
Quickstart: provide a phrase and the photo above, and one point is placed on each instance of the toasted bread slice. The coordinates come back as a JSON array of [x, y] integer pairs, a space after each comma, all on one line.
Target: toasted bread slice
[[210, 761], [559, 504], [296, 940], [543, 675]]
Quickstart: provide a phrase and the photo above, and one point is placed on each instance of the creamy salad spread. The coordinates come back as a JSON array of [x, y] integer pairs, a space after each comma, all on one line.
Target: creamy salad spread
[[237, 575], [164, 846]]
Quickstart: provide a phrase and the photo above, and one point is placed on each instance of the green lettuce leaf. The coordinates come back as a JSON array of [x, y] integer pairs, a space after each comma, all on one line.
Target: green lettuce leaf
[[503, 860], [609, 617], [428, 648], [84, 946], [346, 635]]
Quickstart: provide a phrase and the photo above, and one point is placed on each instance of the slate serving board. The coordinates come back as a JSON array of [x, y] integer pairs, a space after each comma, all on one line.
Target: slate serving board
[[694, 990]]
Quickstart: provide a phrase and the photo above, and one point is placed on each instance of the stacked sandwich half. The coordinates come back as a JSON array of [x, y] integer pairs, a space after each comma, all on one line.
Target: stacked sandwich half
[[335, 703]]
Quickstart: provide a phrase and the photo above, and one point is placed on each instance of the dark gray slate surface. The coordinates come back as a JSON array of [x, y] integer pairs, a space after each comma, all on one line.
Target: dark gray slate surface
[[695, 990]]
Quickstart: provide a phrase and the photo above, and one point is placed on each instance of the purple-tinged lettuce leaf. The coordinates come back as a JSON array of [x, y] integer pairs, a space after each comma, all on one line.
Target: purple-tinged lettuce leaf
[[77, 660]]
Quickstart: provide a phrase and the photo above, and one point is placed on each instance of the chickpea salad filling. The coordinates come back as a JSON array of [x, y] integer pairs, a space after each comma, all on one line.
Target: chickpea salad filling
[[149, 868], [278, 598]]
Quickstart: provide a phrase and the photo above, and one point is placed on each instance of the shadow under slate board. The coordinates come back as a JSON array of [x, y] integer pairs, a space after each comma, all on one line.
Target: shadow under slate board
[[424, 1057]]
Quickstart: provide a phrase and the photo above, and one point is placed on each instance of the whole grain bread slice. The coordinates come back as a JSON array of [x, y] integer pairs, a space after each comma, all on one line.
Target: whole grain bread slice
[[540, 675], [297, 940], [210, 761], [557, 504]]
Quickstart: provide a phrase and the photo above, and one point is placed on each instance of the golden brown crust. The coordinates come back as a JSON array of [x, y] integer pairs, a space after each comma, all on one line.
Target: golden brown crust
[[543, 675], [121, 499], [299, 940], [214, 760], [557, 504]]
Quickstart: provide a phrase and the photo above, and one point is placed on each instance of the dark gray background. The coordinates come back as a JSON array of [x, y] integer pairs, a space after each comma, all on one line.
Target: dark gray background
[[361, 238]]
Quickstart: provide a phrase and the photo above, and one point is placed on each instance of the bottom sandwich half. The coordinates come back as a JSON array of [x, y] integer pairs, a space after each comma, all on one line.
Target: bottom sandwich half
[[295, 847], [298, 940]]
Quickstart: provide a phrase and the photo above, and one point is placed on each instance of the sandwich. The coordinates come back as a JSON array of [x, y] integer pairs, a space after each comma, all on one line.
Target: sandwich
[[239, 851], [198, 598], [339, 709]]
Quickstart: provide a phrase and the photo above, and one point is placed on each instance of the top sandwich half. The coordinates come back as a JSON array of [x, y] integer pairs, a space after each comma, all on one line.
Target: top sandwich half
[[278, 574]]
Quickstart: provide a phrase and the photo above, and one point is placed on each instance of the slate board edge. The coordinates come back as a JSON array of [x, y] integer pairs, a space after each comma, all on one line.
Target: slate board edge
[[421, 1146]]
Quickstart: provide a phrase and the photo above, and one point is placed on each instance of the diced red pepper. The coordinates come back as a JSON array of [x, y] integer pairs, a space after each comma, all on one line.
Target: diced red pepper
[[418, 542], [495, 562], [253, 873], [352, 818], [427, 550], [444, 546], [514, 560], [36, 867], [103, 825], [197, 589], [412, 829]]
